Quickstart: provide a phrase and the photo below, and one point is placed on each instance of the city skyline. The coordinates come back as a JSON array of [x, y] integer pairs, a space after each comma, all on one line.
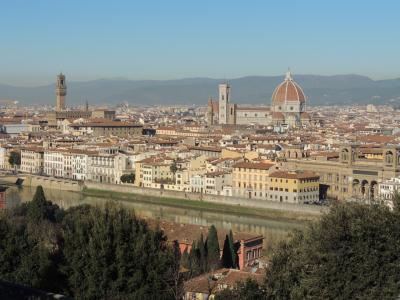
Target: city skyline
[[156, 40]]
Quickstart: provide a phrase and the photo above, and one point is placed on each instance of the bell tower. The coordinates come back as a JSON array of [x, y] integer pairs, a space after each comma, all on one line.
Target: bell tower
[[61, 92], [224, 95]]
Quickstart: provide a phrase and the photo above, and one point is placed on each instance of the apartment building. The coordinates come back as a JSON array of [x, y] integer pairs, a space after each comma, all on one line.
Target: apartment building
[[53, 162], [76, 164], [388, 188], [250, 179], [155, 169], [32, 160], [293, 187], [107, 168], [211, 183]]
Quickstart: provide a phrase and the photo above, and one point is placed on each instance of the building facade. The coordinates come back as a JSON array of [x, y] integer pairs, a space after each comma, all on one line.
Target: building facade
[[293, 187]]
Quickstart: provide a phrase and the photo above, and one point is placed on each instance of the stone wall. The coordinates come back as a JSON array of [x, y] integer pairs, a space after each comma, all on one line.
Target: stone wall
[[53, 183], [253, 203]]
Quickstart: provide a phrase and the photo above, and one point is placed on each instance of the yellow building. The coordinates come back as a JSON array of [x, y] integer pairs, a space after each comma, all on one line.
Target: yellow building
[[293, 187], [250, 179], [153, 170]]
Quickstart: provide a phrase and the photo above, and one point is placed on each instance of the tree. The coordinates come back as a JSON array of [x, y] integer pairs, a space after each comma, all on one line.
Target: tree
[[14, 158], [176, 280], [202, 254], [39, 208], [248, 290], [173, 168], [213, 252], [352, 253], [128, 178], [226, 259], [185, 262], [111, 254], [87, 252], [194, 261], [233, 249]]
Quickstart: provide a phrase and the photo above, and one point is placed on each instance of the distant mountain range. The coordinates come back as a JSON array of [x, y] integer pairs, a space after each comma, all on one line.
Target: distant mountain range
[[320, 90]]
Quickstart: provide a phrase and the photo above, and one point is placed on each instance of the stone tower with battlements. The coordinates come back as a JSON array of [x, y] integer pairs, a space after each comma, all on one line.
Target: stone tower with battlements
[[61, 92]]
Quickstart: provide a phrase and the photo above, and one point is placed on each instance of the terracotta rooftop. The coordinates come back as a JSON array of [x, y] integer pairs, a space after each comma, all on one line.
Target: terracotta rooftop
[[250, 165], [294, 175]]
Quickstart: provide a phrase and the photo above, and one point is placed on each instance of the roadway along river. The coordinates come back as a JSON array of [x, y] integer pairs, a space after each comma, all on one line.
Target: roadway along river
[[272, 230]]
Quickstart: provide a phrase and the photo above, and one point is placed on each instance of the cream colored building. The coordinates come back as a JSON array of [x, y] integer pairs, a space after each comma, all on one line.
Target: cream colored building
[[53, 162], [32, 160], [250, 180], [107, 168]]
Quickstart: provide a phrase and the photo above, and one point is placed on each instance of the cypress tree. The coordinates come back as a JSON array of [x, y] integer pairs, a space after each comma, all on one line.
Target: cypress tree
[[194, 260], [203, 254], [227, 254], [213, 252], [233, 249], [185, 261]]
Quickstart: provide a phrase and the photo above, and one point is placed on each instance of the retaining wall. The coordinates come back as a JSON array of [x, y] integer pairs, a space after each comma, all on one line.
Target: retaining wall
[[53, 183], [254, 203]]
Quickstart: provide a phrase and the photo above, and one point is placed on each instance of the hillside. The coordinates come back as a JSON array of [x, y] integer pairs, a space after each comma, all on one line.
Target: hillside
[[320, 90]]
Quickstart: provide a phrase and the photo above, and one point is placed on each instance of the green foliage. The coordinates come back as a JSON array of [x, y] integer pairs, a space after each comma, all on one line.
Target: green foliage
[[40, 209], [87, 252], [202, 250], [248, 290], [396, 201], [185, 261], [232, 247], [15, 158], [174, 167], [128, 178], [213, 252], [352, 253], [226, 260]]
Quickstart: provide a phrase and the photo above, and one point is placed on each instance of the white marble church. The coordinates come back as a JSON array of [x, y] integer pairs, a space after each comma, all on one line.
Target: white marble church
[[288, 108]]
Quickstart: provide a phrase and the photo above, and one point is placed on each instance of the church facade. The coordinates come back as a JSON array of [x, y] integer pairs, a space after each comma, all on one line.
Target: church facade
[[288, 108]]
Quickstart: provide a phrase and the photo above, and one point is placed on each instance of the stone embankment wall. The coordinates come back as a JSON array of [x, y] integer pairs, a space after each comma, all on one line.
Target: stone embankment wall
[[52, 183], [254, 203], [77, 186]]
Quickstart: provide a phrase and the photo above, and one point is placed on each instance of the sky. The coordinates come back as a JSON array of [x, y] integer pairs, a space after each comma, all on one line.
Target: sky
[[170, 39]]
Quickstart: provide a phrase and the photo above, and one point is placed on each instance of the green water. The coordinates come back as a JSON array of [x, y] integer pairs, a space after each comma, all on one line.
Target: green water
[[272, 230]]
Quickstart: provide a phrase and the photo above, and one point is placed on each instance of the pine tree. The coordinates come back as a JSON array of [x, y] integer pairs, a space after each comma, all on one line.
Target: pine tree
[[213, 252], [233, 249], [226, 259]]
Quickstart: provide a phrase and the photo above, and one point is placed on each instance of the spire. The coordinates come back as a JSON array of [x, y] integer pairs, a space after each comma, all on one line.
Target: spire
[[288, 75]]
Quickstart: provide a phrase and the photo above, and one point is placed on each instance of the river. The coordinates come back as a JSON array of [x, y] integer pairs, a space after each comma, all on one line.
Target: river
[[272, 230]]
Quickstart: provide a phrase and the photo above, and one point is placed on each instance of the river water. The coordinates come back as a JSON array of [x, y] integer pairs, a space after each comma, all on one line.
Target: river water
[[272, 230]]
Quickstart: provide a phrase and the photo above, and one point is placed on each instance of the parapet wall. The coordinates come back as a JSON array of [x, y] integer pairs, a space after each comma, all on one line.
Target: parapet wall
[[53, 183]]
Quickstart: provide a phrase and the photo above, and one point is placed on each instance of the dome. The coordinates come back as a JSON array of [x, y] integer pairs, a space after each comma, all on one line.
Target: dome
[[288, 90]]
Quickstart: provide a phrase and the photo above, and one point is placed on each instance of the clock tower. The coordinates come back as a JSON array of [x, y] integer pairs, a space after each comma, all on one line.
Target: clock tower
[[61, 92]]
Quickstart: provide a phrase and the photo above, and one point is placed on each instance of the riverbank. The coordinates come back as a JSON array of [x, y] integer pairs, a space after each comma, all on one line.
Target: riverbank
[[203, 202], [270, 213]]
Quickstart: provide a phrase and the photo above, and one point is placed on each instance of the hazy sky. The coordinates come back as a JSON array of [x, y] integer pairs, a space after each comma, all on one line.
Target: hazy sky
[[167, 39]]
